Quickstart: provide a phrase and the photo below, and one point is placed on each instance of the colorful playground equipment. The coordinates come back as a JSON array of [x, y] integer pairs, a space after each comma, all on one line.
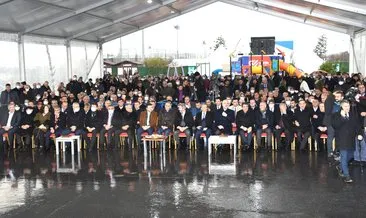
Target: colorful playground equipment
[[264, 64]]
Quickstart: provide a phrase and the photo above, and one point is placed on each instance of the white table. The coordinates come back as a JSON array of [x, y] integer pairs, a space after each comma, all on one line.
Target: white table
[[162, 149], [73, 169], [71, 139], [216, 139]]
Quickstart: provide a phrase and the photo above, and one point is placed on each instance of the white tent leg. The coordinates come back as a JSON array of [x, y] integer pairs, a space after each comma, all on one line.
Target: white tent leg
[[101, 60], [69, 60], [21, 57]]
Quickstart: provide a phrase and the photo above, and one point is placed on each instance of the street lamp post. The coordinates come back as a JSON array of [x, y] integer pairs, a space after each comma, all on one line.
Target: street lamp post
[[177, 27]]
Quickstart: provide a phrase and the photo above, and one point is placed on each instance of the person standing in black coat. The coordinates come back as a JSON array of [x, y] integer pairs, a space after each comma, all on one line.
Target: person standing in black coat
[[347, 127], [245, 124], [8, 96], [332, 105], [204, 124], [284, 124], [199, 87], [303, 124], [93, 125]]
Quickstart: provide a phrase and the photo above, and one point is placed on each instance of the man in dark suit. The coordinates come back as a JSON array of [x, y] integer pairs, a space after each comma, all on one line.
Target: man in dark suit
[[245, 124], [204, 124], [166, 119], [57, 126], [74, 121], [224, 119], [148, 122], [284, 124], [303, 124], [184, 123], [26, 127], [317, 124], [9, 124], [128, 125], [8, 96], [264, 120], [93, 125], [347, 127], [111, 122]]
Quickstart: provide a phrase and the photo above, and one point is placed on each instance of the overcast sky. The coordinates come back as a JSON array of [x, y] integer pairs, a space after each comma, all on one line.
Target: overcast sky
[[233, 23]]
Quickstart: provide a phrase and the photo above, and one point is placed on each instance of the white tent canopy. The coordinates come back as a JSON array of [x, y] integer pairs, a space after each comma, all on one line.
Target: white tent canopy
[[67, 22]]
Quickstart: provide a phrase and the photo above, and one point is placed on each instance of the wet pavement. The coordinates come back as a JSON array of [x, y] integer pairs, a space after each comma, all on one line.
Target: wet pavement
[[177, 184]]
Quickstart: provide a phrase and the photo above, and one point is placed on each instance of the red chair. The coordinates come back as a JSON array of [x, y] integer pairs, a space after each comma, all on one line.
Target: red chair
[[263, 135], [183, 135]]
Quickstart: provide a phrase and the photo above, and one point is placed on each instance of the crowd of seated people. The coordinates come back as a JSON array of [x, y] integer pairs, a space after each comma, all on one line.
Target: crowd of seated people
[[278, 106]]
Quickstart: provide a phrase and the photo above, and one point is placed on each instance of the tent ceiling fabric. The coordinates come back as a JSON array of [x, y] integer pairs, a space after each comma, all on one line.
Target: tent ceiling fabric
[[104, 20]]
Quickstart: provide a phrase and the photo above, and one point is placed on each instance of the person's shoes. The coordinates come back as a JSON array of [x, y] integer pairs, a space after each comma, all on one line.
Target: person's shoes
[[339, 170], [348, 179], [330, 155], [337, 158]]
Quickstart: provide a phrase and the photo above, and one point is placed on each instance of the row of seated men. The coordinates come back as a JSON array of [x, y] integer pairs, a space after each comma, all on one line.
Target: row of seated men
[[108, 122]]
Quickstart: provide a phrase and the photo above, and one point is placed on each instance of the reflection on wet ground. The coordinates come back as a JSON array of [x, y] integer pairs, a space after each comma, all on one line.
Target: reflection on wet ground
[[179, 184]]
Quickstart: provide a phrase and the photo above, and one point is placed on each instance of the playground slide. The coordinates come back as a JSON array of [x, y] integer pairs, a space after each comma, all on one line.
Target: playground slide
[[290, 69]]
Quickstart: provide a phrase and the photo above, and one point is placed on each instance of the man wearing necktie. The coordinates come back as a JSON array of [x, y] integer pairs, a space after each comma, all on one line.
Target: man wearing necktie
[[264, 120], [245, 124], [303, 124], [284, 124], [183, 124], [204, 123], [346, 126]]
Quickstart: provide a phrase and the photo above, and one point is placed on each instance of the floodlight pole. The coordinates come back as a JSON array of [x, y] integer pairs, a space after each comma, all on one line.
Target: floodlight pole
[[143, 45], [69, 60], [21, 57]]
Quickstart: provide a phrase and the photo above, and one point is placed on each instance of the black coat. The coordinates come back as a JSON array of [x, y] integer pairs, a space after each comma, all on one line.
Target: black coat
[[245, 119], [15, 121], [61, 122], [167, 118], [94, 119], [345, 130], [316, 122], [209, 119], [75, 119], [12, 97], [116, 120], [303, 117], [287, 120], [129, 119], [26, 120], [188, 119], [328, 104], [227, 121], [259, 120]]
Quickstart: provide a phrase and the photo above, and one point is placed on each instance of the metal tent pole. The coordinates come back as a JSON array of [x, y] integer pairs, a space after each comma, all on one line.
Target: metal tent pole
[[21, 57], [101, 60], [69, 60]]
